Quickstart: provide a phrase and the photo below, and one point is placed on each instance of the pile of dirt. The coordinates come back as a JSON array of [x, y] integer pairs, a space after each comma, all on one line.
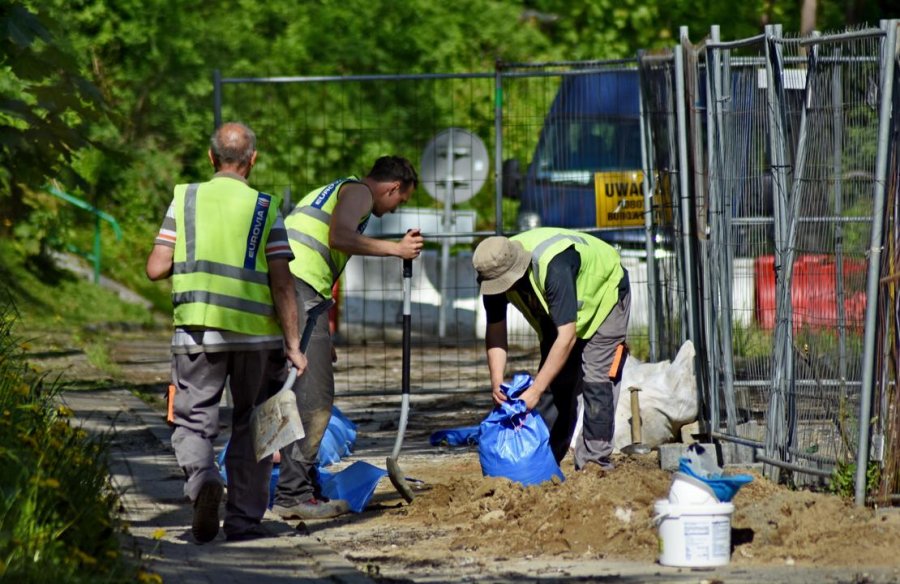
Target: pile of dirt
[[610, 515]]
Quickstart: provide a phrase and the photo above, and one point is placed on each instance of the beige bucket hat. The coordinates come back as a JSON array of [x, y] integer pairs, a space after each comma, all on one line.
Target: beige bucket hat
[[500, 262]]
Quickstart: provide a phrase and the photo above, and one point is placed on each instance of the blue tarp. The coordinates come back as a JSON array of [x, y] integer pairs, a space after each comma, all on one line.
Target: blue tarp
[[355, 484], [464, 436], [337, 442]]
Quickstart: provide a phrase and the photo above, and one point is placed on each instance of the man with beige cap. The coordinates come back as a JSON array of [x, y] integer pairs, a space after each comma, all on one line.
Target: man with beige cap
[[573, 290]]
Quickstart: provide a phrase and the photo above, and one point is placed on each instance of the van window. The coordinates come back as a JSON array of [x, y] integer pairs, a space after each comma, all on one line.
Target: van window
[[571, 151]]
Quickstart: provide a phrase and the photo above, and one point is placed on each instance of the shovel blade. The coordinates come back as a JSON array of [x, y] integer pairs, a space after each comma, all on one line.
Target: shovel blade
[[275, 423], [398, 479]]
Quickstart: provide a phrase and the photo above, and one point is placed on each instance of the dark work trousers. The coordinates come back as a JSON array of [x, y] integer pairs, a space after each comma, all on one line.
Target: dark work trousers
[[298, 479], [586, 372], [199, 380]]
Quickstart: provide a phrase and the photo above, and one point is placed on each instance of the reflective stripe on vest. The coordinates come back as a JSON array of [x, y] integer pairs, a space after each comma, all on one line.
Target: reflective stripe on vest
[[598, 278], [216, 284], [308, 225]]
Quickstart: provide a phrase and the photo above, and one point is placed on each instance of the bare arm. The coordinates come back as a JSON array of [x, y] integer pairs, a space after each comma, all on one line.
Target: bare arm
[[354, 202], [553, 364], [282, 284], [160, 262], [495, 342]]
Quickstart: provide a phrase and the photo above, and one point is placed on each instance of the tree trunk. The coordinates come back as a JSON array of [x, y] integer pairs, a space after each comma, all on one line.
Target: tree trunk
[[808, 17]]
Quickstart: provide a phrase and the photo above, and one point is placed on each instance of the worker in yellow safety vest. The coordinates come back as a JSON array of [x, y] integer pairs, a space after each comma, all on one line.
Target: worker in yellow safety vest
[[572, 289], [225, 247], [325, 229]]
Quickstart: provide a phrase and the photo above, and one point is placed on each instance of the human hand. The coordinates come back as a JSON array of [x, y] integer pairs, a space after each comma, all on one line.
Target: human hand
[[498, 396], [297, 359], [411, 245], [531, 397]]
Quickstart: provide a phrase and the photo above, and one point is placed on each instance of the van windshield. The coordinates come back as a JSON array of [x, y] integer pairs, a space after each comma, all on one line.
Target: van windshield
[[571, 151]]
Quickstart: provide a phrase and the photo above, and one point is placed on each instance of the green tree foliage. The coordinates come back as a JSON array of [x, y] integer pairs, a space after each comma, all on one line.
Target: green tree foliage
[[151, 62], [47, 107]]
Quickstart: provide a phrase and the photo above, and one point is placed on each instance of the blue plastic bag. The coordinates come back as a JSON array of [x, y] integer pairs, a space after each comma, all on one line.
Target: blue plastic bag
[[338, 440], [514, 442], [464, 436], [355, 484], [695, 465]]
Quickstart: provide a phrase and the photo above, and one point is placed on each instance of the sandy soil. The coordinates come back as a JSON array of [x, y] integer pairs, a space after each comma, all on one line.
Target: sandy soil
[[477, 521]]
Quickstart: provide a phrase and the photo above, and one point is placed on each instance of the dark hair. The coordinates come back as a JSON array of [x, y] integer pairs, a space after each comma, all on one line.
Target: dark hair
[[390, 168], [233, 143]]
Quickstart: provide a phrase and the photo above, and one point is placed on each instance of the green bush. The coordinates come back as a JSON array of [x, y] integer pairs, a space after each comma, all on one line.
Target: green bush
[[58, 519]]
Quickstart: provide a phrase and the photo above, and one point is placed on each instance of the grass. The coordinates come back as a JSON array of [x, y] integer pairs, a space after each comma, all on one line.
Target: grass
[[58, 520], [47, 298]]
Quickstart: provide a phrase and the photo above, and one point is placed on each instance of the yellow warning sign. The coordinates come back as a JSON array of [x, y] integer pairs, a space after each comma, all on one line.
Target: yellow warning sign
[[620, 198]]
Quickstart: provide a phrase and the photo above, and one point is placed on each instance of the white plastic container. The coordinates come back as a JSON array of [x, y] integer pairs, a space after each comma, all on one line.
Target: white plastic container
[[694, 536], [688, 490]]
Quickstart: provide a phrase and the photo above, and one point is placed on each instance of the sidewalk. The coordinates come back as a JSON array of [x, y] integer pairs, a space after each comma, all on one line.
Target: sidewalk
[[149, 481]]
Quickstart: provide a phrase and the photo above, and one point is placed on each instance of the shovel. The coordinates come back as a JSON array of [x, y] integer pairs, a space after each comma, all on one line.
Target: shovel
[[395, 473], [637, 445], [276, 422]]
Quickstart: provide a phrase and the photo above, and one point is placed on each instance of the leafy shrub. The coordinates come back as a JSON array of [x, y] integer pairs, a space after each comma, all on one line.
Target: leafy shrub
[[58, 518]]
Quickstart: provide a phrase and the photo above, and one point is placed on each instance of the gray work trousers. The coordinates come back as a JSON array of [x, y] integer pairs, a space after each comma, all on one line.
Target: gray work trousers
[[586, 372], [298, 478], [199, 381]]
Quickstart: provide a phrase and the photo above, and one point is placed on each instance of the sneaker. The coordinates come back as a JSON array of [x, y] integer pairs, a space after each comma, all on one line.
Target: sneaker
[[205, 526], [312, 508], [258, 531]]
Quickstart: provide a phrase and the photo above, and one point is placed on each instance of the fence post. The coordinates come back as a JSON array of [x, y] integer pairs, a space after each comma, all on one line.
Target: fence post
[[714, 193], [498, 147], [217, 98], [783, 364], [888, 54], [649, 184], [692, 314]]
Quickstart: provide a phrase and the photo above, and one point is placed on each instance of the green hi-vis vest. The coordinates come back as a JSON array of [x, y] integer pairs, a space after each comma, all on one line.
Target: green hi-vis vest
[[220, 275], [597, 284], [307, 227]]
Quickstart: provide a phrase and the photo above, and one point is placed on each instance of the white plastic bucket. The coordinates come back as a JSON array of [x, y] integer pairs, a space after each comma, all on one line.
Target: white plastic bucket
[[694, 536], [687, 490]]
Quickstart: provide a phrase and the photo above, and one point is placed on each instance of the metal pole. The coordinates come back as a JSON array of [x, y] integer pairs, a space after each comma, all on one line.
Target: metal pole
[[648, 233], [447, 226], [97, 250], [837, 105], [498, 148], [683, 189], [217, 98], [888, 55], [729, 160], [712, 218], [782, 371]]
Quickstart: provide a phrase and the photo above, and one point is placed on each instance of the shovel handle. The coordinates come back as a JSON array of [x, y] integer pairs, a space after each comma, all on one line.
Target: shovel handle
[[291, 378], [635, 416]]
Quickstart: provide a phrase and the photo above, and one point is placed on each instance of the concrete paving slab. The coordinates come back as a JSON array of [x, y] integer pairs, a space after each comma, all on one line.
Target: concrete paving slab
[[150, 483]]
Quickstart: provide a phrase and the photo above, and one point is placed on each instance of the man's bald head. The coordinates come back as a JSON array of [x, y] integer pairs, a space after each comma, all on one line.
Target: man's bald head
[[233, 147]]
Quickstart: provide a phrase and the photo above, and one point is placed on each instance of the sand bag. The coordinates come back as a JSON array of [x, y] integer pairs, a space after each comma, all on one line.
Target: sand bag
[[668, 399], [513, 442]]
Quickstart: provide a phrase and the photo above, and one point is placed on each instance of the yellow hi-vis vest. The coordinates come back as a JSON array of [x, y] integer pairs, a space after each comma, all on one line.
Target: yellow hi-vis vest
[[308, 226], [220, 275], [597, 283]]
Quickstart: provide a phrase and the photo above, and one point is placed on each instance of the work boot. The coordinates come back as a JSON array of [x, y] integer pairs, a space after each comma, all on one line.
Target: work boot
[[258, 531], [312, 508], [205, 526]]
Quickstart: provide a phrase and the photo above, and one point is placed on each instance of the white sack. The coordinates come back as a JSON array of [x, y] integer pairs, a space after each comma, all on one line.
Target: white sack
[[668, 399]]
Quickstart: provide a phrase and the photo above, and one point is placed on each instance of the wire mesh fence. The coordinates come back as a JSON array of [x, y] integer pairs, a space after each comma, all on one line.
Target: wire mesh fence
[[736, 178]]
